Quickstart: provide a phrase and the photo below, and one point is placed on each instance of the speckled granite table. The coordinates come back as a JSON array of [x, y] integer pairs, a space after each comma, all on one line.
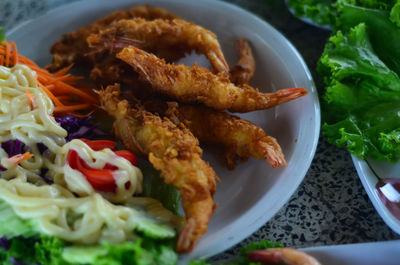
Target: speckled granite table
[[330, 206]]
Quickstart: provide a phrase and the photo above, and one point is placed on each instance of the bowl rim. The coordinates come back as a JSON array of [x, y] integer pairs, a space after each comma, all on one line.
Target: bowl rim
[[369, 179]]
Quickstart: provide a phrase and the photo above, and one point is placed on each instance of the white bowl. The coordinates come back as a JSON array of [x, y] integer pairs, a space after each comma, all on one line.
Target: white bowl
[[249, 196], [370, 172], [372, 253]]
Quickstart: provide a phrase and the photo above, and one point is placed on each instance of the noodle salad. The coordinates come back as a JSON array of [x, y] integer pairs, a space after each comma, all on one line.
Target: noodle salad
[[62, 194]]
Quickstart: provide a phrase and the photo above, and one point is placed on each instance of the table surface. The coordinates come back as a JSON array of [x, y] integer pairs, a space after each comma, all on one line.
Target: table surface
[[330, 206]]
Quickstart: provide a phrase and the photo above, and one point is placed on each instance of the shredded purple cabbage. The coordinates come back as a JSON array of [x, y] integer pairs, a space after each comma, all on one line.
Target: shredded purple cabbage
[[4, 243], [80, 128], [42, 148], [76, 128], [15, 261], [42, 174], [14, 147]]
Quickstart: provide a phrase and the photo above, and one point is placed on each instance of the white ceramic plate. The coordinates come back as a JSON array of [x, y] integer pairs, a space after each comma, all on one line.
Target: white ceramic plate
[[249, 196], [382, 253], [370, 172]]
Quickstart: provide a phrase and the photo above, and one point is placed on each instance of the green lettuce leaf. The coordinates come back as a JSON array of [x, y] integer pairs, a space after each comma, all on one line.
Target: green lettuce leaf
[[383, 34], [325, 12], [361, 107], [46, 250], [142, 251], [263, 244], [372, 4], [395, 14], [49, 250], [12, 226], [34, 250], [199, 262], [2, 36], [320, 12]]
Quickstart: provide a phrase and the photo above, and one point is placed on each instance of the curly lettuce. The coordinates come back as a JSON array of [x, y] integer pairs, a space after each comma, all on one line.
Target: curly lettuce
[[362, 99], [326, 12], [46, 250], [360, 67], [395, 14], [2, 36], [383, 34], [320, 12]]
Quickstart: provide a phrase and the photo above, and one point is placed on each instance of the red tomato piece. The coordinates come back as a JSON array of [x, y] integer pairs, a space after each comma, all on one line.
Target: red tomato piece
[[98, 145], [100, 179], [127, 155]]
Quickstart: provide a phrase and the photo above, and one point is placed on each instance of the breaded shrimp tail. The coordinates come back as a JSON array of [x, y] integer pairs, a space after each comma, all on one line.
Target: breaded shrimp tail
[[161, 34], [193, 84], [243, 71], [73, 49], [239, 137], [175, 152]]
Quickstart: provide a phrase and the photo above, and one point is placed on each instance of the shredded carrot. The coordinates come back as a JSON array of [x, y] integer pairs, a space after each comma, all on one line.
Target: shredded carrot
[[71, 108], [64, 98], [30, 99], [20, 158], [55, 100], [65, 89], [63, 71], [66, 77], [67, 94], [83, 115], [14, 55], [8, 53]]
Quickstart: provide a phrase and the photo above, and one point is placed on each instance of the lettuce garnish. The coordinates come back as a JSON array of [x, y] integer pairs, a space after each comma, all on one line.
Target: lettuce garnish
[[325, 12], [360, 67], [362, 99], [47, 250], [2, 36], [320, 12], [21, 243]]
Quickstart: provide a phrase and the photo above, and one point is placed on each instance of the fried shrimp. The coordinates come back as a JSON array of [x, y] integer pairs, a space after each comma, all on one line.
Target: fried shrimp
[[72, 48], [194, 84], [111, 70], [175, 34], [243, 71], [175, 152], [287, 256], [240, 138]]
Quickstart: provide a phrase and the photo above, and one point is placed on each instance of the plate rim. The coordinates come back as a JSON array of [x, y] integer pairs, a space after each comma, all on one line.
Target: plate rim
[[257, 222], [369, 179], [371, 253]]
